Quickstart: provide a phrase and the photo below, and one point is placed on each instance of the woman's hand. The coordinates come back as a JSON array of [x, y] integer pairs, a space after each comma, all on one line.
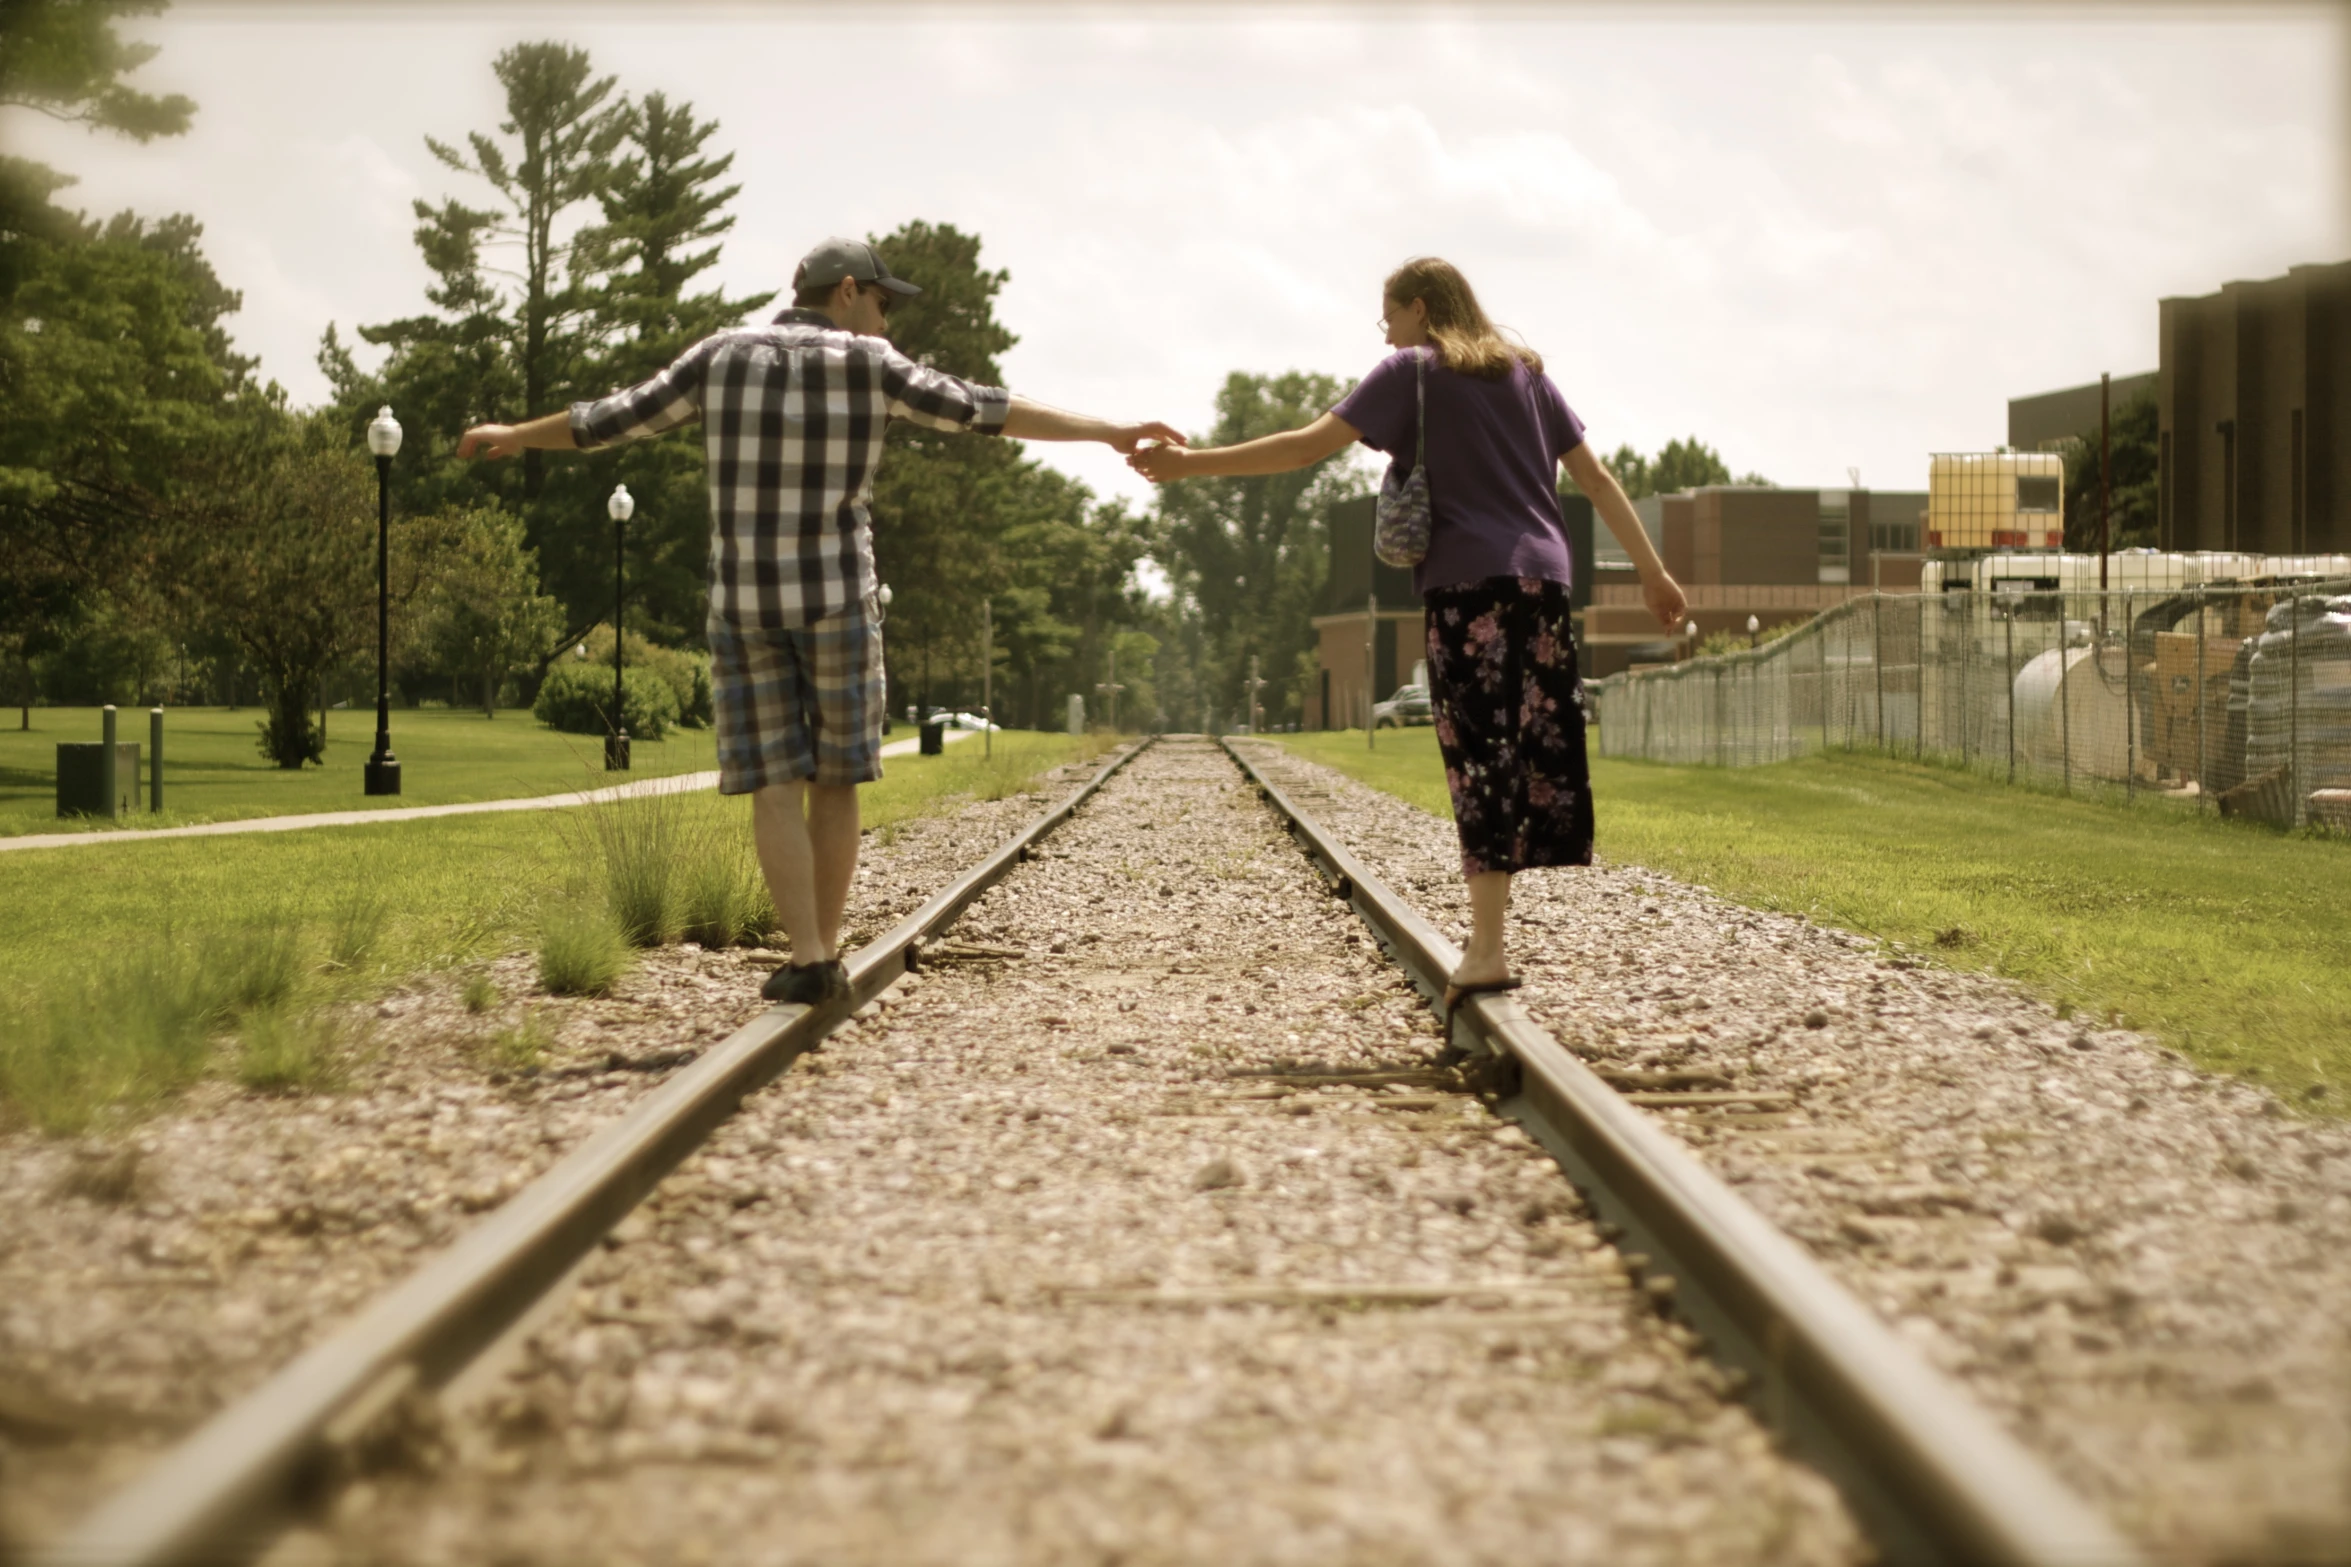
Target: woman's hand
[[1665, 599], [1162, 463]]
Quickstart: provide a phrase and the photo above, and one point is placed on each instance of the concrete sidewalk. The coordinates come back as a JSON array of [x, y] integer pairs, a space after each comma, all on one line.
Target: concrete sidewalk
[[679, 783]]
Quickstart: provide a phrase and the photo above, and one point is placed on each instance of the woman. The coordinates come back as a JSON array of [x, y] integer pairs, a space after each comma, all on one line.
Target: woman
[[1502, 667]]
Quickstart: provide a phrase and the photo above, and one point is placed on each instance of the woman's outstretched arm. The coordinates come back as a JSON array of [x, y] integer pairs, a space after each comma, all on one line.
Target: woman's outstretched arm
[[1659, 591], [1301, 448]]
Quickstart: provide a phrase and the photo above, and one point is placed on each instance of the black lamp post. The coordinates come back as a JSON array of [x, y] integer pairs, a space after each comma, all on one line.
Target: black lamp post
[[383, 439], [616, 743]]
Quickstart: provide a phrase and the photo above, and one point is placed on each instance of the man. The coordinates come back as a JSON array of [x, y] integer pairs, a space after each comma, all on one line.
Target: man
[[792, 416]]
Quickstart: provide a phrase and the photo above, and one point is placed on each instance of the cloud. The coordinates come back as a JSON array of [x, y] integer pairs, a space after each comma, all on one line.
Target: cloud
[[1813, 243]]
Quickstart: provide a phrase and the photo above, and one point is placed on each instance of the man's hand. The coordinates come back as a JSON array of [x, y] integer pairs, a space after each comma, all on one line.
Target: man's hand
[[1666, 600], [1129, 436], [489, 440], [547, 433]]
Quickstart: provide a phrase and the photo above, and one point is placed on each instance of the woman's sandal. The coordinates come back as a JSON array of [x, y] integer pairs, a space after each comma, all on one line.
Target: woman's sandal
[[1456, 994]]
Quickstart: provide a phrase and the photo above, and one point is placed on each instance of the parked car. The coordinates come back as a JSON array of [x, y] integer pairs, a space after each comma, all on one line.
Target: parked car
[[971, 721], [1410, 705]]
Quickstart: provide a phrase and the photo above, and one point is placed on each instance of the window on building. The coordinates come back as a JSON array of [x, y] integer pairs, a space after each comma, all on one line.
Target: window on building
[[1836, 536], [1897, 537]]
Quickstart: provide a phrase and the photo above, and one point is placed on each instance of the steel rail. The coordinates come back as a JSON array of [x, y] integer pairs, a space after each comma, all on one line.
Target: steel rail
[[1923, 1466], [224, 1493]]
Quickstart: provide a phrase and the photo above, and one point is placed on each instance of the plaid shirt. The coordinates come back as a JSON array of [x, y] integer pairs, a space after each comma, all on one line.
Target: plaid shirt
[[792, 417]]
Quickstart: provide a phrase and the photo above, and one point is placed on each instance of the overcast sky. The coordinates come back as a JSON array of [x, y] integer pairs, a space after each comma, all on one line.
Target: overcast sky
[[1819, 240]]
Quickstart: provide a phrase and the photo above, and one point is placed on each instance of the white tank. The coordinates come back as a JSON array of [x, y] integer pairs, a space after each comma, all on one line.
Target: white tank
[[2091, 726]]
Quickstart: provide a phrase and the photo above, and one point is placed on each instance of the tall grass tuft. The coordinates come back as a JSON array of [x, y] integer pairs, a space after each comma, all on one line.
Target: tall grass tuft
[[252, 966], [522, 1047], [287, 1050], [722, 897], [480, 993], [581, 949], [125, 1038], [355, 930], [633, 845]]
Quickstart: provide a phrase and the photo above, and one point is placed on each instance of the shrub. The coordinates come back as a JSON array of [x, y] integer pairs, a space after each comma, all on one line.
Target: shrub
[[577, 695], [686, 671], [581, 952]]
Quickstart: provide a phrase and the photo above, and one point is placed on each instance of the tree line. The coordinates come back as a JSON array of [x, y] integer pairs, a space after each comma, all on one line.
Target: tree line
[[171, 525]]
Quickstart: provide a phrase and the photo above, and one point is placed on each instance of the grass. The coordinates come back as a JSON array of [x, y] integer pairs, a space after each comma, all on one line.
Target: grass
[[522, 1047], [479, 994], [583, 949], [213, 772], [131, 967], [2226, 940]]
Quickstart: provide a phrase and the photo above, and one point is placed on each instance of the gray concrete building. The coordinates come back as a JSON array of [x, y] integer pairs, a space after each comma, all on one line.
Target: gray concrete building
[[2040, 422]]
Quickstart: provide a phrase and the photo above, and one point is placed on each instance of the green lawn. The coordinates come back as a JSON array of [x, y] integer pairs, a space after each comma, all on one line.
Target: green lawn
[[213, 770], [395, 897], [2227, 941]]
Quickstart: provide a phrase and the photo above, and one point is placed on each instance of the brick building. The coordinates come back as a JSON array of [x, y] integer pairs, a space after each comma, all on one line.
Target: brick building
[[1337, 699], [1745, 550]]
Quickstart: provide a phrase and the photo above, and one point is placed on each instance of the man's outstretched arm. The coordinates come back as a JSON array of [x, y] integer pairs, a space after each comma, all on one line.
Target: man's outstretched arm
[[670, 398], [1029, 421], [551, 433]]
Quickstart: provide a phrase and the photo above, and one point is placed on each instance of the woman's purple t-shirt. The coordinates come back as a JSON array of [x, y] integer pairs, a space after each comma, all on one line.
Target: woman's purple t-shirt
[[1493, 456]]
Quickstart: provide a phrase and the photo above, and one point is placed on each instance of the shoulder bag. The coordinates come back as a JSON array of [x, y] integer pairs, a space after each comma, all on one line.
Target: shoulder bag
[[1402, 516]]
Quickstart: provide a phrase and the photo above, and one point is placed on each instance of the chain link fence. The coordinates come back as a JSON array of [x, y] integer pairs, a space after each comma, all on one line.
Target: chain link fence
[[2238, 697]]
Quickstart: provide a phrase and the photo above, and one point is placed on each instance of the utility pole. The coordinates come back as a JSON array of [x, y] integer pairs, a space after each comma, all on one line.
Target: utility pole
[[987, 678], [2105, 474], [1371, 653]]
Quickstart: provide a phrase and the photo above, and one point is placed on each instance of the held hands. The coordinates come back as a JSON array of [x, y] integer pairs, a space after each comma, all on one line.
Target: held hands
[[1160, 463], [489, 440], [1666, 600], [1129, 436]]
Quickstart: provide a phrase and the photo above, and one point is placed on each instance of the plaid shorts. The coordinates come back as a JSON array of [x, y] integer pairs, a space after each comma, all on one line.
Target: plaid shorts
[[798, 701]]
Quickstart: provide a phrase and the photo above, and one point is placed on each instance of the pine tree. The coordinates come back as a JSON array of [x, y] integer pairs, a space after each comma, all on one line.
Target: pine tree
[[664, 214], [500, 343]]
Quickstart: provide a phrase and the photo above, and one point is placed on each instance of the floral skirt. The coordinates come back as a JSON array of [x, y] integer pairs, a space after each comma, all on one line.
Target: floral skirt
[[1510, 721]]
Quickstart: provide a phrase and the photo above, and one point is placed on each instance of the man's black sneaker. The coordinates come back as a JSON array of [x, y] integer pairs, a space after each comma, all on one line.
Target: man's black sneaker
[[807, 984]]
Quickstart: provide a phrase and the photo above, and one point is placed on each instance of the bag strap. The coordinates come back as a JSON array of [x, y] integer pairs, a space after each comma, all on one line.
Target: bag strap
[[1420, 398]]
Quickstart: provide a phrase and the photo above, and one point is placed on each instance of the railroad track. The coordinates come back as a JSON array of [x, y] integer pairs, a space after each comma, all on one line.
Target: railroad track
[[1928, 1474]]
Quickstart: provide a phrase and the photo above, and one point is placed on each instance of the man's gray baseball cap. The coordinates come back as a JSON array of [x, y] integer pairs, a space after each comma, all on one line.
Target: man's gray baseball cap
[[836, 259]]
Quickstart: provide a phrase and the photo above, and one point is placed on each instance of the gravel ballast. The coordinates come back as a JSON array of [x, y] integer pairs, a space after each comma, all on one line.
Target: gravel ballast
[[151, 1275], [2143, 1269], [1069, 1257]]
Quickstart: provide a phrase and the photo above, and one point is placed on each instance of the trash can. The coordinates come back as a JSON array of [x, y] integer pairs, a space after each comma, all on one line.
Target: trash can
[[934, 736], [82, 782]]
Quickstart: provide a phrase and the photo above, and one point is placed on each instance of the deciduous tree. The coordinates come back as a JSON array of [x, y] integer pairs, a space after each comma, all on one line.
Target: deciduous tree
[[1249, 556]]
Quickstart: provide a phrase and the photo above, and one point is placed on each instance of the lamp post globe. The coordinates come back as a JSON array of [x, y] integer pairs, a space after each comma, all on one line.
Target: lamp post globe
[[619, 507], [1753, 627], [383, 441]]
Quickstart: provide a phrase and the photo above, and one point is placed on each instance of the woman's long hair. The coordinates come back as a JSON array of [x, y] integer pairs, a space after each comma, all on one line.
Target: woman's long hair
[[1467, 343]]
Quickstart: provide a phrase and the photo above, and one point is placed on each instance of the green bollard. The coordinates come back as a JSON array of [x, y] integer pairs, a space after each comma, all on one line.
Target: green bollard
[[155, 760], [107, 771]]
